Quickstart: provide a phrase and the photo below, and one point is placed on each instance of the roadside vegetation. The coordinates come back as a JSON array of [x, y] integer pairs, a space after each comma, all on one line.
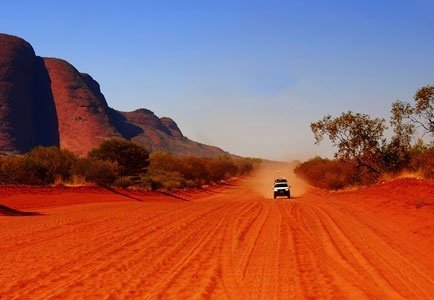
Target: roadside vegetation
[[120, 163], [365, 155], [170, 171]]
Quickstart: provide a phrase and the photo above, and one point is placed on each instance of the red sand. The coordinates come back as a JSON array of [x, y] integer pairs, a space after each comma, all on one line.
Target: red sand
[[230, 242]]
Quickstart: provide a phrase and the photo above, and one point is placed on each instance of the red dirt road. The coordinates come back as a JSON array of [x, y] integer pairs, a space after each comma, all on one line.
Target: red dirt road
[[230, 242]]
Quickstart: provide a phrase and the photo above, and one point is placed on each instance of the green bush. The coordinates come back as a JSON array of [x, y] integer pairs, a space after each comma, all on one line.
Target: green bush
[[169, 171], [121, 164], [422, 160], [12, 170], [130, 158], [44, 164], [222, 168], [97, 171], [125, 182], [150, 183], [40, 166], [245, 165], [163, 180]]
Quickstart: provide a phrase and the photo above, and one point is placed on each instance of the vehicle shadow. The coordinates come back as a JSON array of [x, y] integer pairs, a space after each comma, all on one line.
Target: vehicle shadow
[[10, 212]]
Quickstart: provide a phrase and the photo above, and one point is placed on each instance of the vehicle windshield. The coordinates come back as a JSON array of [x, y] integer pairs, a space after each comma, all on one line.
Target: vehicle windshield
[[283, 184]]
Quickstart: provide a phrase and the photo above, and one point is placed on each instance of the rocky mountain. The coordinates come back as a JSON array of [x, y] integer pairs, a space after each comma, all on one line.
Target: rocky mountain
[[17, 81], [47, 101]]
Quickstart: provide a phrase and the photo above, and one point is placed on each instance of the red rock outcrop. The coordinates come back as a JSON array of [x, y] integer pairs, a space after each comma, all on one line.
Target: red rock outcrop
[[172, 126], [82, 113], [16, 94], [153, 134], [45, 114], [145, 119], [46, 101], [163, 134]]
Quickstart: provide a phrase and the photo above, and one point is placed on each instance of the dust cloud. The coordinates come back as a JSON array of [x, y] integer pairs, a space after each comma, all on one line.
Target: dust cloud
[[263, 179]]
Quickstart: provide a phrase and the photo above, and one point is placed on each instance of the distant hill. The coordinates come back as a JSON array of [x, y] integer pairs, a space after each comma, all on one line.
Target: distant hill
[[47, 101]]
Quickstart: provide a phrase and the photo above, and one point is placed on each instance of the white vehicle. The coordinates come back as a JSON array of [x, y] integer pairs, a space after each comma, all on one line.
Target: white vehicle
[[280, 180], [281, 188]]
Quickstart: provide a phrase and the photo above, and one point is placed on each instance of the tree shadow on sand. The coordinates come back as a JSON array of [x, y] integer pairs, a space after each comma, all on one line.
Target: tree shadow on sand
[[138, 199], [174, 196], [10, 212], [114, 191]]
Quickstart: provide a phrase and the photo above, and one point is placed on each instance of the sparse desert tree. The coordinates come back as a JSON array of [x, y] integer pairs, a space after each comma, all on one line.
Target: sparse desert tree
[[358, 138], [421, 114], [396, 154], [404, 120], [424, 108]]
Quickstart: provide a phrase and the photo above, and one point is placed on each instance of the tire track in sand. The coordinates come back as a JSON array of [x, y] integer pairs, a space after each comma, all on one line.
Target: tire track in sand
[[232, 245]]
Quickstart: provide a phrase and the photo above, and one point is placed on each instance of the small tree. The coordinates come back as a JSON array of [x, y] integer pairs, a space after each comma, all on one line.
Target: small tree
[[130, 158], [424, 108], [357, 136], [396, 154], [421, 114]]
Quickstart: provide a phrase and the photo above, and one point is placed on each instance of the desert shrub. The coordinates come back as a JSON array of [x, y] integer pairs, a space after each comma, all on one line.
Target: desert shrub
[[195, 168], [329, 174], [131, 159], [44, 164], [12, 170], [150, 183], [166, 161], [246, 165], [126, 181], [77, 180], [394, 158], [422, 160], [219, 169], [40, 166], [164, 180], [225, 167], [47, 165], [123, 182], [98, 171], [193, 171], [164, 166], [121, 164]]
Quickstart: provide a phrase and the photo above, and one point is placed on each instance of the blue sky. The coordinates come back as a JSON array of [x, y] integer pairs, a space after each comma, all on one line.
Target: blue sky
[[248, 76]]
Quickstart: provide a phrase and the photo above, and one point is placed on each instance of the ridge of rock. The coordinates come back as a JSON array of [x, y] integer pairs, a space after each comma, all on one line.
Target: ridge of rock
[[48, 102], [172, 127]]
